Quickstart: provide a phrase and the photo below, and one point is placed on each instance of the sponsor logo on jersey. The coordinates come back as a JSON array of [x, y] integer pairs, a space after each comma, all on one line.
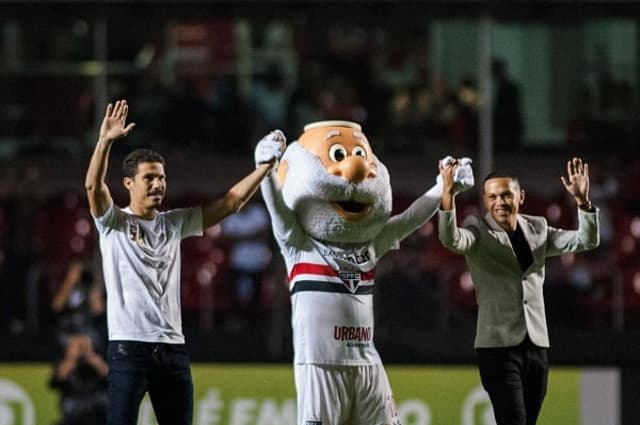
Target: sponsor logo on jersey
[[313, 423], [353, 257], [352, 333]]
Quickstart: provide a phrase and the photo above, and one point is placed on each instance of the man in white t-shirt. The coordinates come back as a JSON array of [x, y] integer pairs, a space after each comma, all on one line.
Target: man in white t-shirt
[[140, 249]]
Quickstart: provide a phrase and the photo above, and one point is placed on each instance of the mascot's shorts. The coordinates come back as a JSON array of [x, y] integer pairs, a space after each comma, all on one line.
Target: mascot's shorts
[[344, 395]]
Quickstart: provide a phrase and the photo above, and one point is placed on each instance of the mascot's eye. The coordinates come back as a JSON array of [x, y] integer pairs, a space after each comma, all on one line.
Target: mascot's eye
[[337, 153], [359, 151]]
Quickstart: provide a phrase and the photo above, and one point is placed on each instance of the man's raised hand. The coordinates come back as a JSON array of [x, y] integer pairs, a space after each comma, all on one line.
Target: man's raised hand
[[577, 180], [114, 125], [462, 173]]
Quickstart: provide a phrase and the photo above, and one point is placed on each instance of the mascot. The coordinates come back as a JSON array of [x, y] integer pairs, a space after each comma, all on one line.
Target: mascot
[[330, 207]]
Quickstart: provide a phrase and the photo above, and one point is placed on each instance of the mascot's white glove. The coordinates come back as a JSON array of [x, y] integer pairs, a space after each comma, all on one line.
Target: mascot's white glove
[[270, 147], [462, 176]]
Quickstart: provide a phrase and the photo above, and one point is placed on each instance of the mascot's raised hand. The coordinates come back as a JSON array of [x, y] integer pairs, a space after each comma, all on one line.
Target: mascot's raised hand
[[270, 148], [462, 176]]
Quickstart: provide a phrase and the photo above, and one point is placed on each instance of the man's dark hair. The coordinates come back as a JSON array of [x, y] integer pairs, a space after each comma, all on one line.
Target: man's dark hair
[[501, 175], [130, 163]]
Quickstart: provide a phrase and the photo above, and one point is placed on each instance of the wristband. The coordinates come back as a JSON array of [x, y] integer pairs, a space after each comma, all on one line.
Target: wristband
[[586, 206]]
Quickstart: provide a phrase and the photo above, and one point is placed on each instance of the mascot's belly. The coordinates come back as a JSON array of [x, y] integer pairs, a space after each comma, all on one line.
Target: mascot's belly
[[333, 327]]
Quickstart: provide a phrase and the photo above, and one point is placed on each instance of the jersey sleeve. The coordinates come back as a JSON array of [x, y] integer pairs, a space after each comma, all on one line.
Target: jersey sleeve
[[283, 220], [188, 220], [112, 219], [402, 225]]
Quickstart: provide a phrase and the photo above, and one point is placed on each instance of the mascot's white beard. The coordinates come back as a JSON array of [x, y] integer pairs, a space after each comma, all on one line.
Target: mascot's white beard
[[309, 189]]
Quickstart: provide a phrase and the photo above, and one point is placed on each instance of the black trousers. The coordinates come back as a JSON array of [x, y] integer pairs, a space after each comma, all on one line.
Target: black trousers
[[163, 370], [516, 380]]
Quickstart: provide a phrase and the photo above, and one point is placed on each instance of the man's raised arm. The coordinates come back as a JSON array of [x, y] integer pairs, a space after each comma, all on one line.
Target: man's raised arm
[[113, 128], [267, 153]]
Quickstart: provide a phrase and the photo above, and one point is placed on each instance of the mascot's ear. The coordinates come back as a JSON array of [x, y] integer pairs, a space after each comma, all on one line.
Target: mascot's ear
[[283, 167]]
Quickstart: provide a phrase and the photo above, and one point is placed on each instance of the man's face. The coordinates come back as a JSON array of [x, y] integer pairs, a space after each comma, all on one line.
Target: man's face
[[502, 197], [148, 186]]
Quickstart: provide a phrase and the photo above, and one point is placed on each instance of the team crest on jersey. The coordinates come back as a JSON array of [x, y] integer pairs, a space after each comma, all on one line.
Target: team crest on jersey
[[136, 234], [351, 280]]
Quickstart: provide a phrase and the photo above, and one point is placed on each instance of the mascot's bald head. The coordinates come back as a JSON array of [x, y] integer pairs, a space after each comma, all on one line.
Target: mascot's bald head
[[336, 186]]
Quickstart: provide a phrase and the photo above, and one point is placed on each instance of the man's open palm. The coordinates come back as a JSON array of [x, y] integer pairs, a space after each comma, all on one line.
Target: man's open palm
[[114, 125], [577, 180]]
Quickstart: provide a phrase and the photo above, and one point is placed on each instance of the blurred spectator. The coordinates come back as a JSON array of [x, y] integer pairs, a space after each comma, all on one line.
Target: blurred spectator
[[192, 115], [20, 246], [604, 193], [270, 99], [407, 276], [339, 99], [249, 260], [151, 111], [568, 279], [304, 104], [81, 378], [233, 126], [398, 58], [581, 117], [629, 187], [79, 304], [507, 111], [604, 115], [431, 110], [616, 115], [463, 128], [278, 49], [401, 118], [347, 56]]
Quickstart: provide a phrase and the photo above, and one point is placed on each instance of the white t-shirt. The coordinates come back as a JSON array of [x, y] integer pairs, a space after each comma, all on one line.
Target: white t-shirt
[[141, 266]]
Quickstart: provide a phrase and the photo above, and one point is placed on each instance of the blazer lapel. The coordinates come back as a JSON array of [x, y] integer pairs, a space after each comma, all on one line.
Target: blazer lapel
[[502, 237], [497, 232], [530, 236]]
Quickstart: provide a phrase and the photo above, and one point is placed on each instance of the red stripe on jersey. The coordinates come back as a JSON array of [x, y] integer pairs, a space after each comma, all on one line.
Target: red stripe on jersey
[[323, 270]]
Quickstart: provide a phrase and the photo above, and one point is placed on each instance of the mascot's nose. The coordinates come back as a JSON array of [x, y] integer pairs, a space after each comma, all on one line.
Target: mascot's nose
[[353, 169]]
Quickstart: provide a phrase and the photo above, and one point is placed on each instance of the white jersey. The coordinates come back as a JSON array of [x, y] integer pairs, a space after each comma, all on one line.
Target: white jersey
[[332, 287], [141, 266], [332, 304]]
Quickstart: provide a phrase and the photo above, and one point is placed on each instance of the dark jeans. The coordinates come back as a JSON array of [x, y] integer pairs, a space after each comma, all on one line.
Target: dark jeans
[[162, 369], [516, 380]]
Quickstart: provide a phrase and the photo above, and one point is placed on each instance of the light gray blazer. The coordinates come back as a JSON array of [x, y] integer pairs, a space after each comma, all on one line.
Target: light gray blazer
[[510, 302]]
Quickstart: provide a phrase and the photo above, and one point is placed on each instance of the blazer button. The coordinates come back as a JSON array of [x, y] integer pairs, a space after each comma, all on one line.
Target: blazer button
[[525, 301]]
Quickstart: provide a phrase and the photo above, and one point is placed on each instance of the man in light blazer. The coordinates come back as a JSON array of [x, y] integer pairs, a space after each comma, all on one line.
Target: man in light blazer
[[505, 252]]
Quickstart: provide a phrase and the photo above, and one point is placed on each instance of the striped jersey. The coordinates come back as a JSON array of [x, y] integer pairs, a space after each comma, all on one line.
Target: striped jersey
[[332, 304], [332, 286]]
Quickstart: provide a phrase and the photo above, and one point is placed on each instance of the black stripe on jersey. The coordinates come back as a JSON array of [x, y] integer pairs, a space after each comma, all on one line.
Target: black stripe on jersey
[[318, 286]]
